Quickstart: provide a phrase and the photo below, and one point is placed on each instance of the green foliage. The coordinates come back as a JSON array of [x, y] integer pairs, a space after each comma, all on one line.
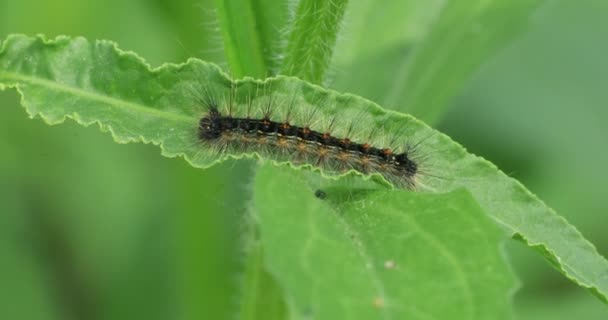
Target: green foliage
[[301, 232], [371, 254], [118, 91], [247, 26], [312, 37], [439, 44], [465, 34]]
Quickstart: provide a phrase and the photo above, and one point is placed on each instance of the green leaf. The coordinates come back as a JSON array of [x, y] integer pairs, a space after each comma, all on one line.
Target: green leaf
[[364, 254], [261, 297], [420, 68], [94, 82], [312, 37], [247, 35]]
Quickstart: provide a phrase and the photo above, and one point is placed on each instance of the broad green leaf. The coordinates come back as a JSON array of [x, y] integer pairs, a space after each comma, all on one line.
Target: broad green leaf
[[369, 254], [442, 43], [312, 36], [94, 82]]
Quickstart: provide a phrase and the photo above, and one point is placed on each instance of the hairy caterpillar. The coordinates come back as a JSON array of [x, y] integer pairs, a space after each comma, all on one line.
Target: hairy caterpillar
[[285, 131]]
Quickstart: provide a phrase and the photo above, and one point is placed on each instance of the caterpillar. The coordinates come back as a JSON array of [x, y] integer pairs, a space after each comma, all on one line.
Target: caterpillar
[[301, 135]]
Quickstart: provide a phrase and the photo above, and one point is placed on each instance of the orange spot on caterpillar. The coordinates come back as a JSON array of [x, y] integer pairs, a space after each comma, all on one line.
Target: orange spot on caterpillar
[[344, 156], [365, 163], [282, 142], [322, 152], [302, 147]]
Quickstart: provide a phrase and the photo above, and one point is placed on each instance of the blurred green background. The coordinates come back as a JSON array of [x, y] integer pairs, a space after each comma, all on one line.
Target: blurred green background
[[90, 229]]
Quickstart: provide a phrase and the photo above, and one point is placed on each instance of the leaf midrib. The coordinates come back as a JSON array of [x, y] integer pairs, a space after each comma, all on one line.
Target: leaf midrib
[[95, 96]]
